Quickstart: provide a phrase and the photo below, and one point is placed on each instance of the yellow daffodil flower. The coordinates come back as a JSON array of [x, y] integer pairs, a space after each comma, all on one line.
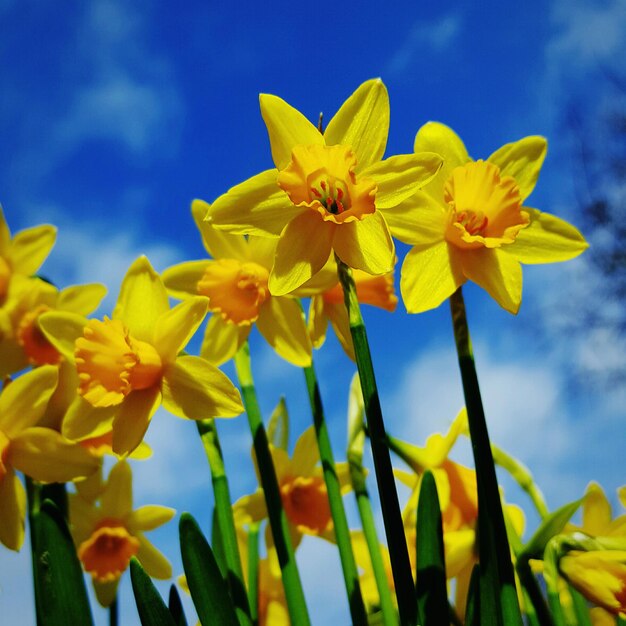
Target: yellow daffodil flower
[[128, 365], [600, 575], [108, 532], [470, 223], [23, 343], [327, 304], [597, 516], [235, 281], [327, 189], [23, 254], [272, 604], [302, 489], [601, 617], [41, 453]]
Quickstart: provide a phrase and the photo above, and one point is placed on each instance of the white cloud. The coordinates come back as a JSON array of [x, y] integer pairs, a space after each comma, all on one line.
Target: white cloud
[[436, 36]]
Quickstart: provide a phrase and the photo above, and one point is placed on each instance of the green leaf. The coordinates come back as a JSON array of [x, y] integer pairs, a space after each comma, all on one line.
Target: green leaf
[[472, 610], [176, 607], [432, 593], [278, 426], [209, 591], [218, 544], [550, 526], [62, 598], [150, 606]]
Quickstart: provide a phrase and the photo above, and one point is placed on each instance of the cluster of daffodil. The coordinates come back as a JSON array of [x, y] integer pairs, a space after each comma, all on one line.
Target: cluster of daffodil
[[319, 225]]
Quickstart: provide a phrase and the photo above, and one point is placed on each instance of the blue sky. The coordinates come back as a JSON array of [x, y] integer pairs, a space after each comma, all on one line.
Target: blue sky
[[115, 115]]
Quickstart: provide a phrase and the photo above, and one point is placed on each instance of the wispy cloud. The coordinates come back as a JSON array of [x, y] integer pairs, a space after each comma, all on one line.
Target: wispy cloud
[[433, 36]]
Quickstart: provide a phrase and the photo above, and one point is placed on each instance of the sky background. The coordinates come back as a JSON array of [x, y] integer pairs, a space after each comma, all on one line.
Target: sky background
[[115, 115]]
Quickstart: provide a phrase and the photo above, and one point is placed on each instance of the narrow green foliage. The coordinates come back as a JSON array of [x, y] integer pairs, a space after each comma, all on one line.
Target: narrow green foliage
[[150, 606], [550, 526], [472, 609], [218, 545], [253, 571], [394, 529], [61, 597], [431, 589], [498, 596], [176, 607], [581, 609], [278, 426], [209, 591]]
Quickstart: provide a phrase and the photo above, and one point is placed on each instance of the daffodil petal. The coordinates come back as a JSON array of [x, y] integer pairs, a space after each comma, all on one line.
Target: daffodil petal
[[338, 316], [250, 508], [24, 401], [5, 234], [176, 327], [106, 592], [362, 122], [419, 220], [257, 206], [45, 455], [302, 251], [81, 299], [222, 340], [181, 281], [195, 389], [152, 560], [149, 517], [522, 160], [317, 322], [12, 358], [305, 453], [441, 139], [343, 477], [133, 418], [430, 274], [12, 511], [400, 176], [366, 245], [62, 329], [282, 324], [117, 499], [30, 248], [459, 550], [286, 127], [547, 239], [499, 274], [596, 511], [142, 300], [84, 421], [218, 244]]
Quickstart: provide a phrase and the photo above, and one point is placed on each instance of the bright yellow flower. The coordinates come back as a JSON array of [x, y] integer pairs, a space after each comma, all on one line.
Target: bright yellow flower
[[22, 342], [600, 575], [272, 605], [327, 189], [41, 453], [129, 365], [23, 254], [235, 282], [597, 515], [328, 304], [470, 223], [107, 533], [302, 489]]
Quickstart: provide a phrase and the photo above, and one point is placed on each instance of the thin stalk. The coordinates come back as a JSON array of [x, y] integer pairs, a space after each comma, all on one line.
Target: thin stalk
[[33, 491], [581, 610], [394, 529], [276, 513], [225, 520], [498, 602], [359, 486], [335, 500], [253, 571], [114, 613]]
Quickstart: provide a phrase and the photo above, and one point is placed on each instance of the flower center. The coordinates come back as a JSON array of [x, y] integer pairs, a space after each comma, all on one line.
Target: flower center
[[34, 343], [236, 290], [323, 178], [5, 277], [306, 502], [485, 208], [111, 363], [4, 453], [107, 553]]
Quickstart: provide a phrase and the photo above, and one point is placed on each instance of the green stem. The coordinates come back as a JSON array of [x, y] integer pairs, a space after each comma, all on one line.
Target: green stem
[[498, 601], [114, 613], [276, 513], [394, 529], [581, 610], [225, 520], [359, 486], [253, 571], [522, 476], [33, 491], [337, 511]]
